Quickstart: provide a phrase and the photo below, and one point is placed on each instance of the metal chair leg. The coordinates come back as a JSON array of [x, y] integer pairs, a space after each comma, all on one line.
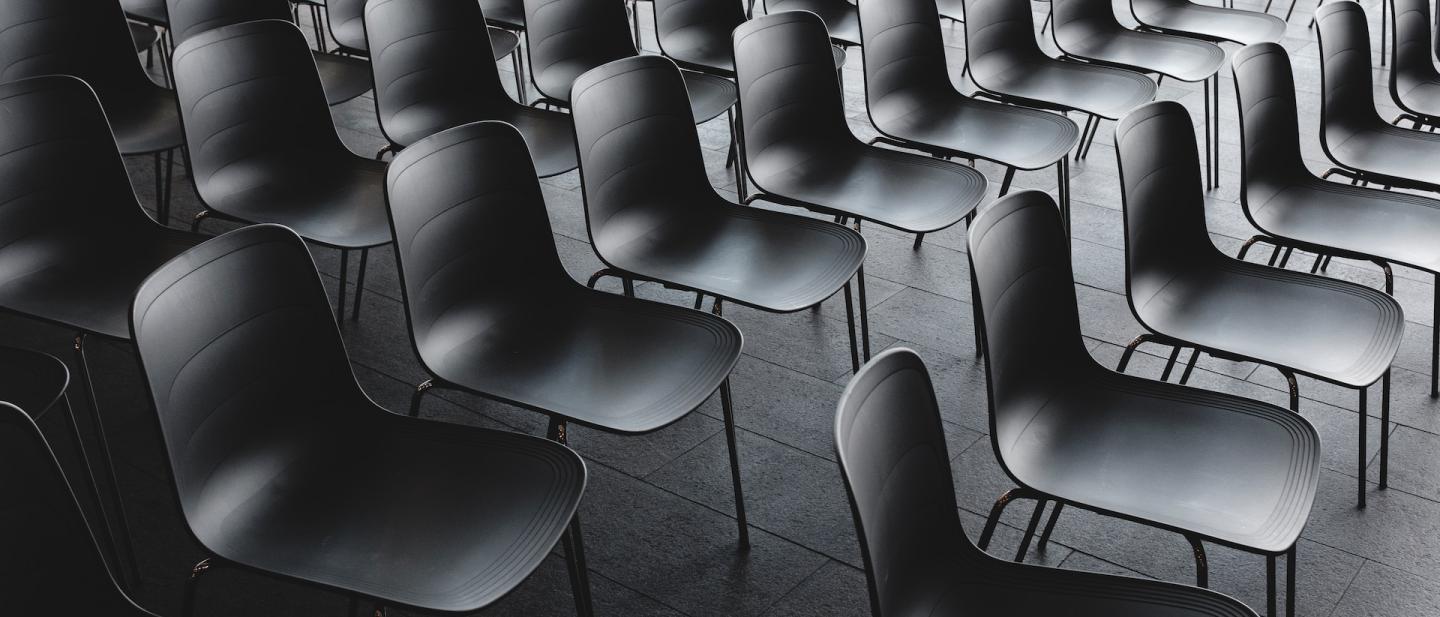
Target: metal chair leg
[[998, 509], [864, 314], [574, 547], [1270, 585], [1385, 430], [1005, 183], [1202, 565], [1050, 526], [1170, 364], [132, 574], [420, 390], [111, 541], [1245, 248], [1435, 343], [1294, 389], [1290, 581], [344, 280], [1130, 351], [359, 284], [192, 584], [850, 319], [1364, 422], [728, 408], [1030, 531], [203, 214], [1190, 367]]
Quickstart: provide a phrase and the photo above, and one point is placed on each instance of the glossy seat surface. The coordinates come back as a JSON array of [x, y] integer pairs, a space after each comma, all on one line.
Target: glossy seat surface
[[31, 380], [431, 79], [1414, 82], [50, 562], [841, 17], [91, 39], [71, 253], [1233, 470], [263, 145], [1088, 29], [891, 446], [798, 146], [1006, 61], [1352, 132], [652, 211], [1282, 198], [910, 97], [1179, 285], [492, 309], [1184, 17]]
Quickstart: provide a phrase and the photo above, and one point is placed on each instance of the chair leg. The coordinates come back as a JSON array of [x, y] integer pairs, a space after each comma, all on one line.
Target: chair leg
[[1170, 364], [1050, 526], [1290, 581], [1030, 530], [420, 390], [1130, 351], [159, 189], [1364, 422], [133, 571], [734, 148], [1435, 343], [864, 313], [1245, 248], [195, 222], [727, 406], [344, 280], [1209, 173], [111, 542], [1202, 564], [999, 508], [1046, 23], [574, 547], [977, 316], [1384, 30], [1385, 430], [1294, 389], [359, 284], [850, 319], [1062, 169], [517, 62], [1285, 257], [919, 238], [193, 583], [1291, 11], [1190, 367], [600, 274], [1005, 183], [1270, 585]]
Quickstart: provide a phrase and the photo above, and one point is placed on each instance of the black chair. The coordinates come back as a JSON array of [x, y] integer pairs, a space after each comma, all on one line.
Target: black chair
[[798, 150], [429, 77], [1006, 62], [1296, 210], [90, 39], [913, 104], [1212, 467], [344, 77], [696, 34], [1213, 23], [841, 17], [1087, 30], [1414, 82], [918, 560], [145, 37], [653, 215], [1186, 293], [264, 147], [493, 312], [347, 28], [282, 464], [51, 564], [74, 241], [1354, 137], [569, 37]]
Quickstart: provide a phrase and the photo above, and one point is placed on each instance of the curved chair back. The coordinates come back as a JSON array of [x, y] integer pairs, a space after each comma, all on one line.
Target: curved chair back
[[896, 468], [639, 152], [1020, 261], [1269, 127], [999, 34], [191, 17], [1411, 61], [1164, 205], [250, 98], [904, 49], [569, 37], [789, 93], [696, 23], [1347, 101], [345, 11], [48, 557], [238, 347], [430, 54], [1077, 20], [60, 172], [491, 232], [89, 39]]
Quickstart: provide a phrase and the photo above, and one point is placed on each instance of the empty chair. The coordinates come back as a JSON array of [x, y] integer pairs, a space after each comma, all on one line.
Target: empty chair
[[918, 560], [74, 241], [1006, 62], [493, 312], [347, 27], [90, 39], [1088, 30], [1186, 293], [913, 104], [841, 17], [653, 214], [696, 34], [1414, 82], [1186, 18], [1212, 467], [344, 78], [51, 563], [568, 37], [263, 147], [282, 464], [1294, 209], [799, 151], [431, 74]]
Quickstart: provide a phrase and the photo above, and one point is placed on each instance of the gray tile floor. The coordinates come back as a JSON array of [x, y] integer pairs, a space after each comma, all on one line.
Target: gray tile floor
[[658, 510]]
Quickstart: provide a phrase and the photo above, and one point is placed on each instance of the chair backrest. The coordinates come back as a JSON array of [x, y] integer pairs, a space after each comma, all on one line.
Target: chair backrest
[[680, 19], [1269, 126], [1347, 101], [1076, 20], [574, 36], [342, 11], [904, 49], [430, 55], [892, 454], [789, 93], [1020, 261], [89, 39], [60, 172], [999, 36], [191, 17], [1410, 54], [640, 156], [244, 366], [490, 238], [48, 557], [1164, 203], [250, 97]]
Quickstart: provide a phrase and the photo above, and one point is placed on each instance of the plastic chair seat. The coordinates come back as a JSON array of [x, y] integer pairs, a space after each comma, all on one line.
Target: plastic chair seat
[[144, 36], [1419, 95], [1174, 56], [344, 78], [144, 120], [710, 95], [771, 261], [1014, 136], [548, 134], [1098, 90], [1396, 227], [600, 359], [502, 42], [841, 18], [1324, 328], [31, 380], [1184, 17], [1410, 158], [335, 203], [458, 515]]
